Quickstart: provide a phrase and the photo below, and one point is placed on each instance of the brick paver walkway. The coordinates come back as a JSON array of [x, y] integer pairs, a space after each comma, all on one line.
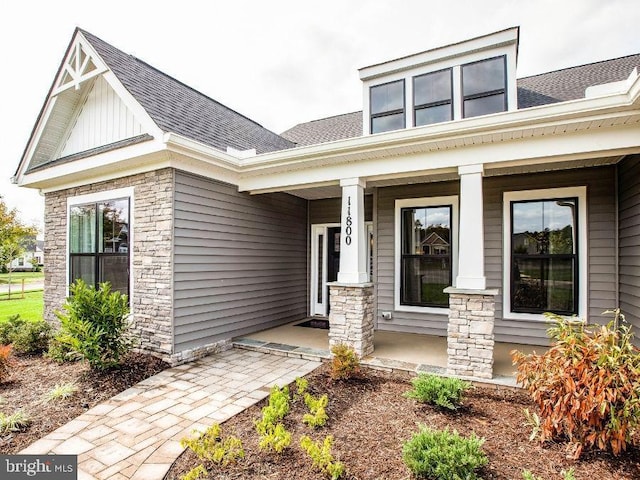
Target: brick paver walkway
[[136, 434]]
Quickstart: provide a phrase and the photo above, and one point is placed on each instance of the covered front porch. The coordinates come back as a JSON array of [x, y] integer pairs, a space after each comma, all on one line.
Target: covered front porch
[[392, 350]]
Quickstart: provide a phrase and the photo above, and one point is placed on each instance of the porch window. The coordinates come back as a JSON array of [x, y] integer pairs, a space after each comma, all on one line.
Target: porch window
[[432, 98], [484, 87], [425, 263], [544, 256], [386, 102], [99, 243]]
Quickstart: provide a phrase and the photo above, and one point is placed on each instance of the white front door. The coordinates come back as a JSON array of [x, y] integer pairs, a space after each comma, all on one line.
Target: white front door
[[325, 262]]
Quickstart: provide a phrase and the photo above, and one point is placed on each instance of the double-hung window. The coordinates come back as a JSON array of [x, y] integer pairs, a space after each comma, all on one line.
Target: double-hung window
[[425, 251], [432, 98], [484, 87], [99, 243], [545, 242], [387, 106]]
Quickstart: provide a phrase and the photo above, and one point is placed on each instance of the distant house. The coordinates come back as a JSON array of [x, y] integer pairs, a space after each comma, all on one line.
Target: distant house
[[217, 227], [32, 258]]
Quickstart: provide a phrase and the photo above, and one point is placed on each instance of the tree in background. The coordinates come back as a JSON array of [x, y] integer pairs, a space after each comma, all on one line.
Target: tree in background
[[14, 235]]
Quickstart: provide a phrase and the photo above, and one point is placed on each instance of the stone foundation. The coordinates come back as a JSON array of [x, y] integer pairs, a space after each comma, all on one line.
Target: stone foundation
[[470, 337], [196, 353], [351, 316], [152, 276]]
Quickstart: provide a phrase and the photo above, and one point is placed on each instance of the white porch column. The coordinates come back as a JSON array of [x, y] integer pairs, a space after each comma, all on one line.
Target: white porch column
[[471, 249], [353, 237]]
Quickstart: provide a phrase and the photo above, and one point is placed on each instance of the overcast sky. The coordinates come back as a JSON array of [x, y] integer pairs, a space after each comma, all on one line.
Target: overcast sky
[[281, 62]]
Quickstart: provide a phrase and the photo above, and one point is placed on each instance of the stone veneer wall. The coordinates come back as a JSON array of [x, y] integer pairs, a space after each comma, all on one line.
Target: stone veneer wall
[[470, 337], [351, 317], [152, 250]]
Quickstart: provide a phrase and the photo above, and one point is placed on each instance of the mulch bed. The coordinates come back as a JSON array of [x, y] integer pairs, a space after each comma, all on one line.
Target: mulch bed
[[33, 376], [370, 420]]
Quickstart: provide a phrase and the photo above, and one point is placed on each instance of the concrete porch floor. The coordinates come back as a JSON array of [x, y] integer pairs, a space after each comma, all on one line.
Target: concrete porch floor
[[406, 351]]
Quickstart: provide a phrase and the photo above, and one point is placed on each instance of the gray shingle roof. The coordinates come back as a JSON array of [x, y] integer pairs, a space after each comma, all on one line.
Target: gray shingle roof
[[570, 83], [546, 88], [324, 130], [178, 108]]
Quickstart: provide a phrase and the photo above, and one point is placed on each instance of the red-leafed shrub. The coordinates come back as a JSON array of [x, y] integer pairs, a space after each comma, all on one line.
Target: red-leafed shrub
[[5, 361], [587, 385]]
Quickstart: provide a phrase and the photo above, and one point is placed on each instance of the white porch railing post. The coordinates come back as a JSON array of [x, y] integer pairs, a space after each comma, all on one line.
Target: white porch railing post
[[353, 236], [471, 251]]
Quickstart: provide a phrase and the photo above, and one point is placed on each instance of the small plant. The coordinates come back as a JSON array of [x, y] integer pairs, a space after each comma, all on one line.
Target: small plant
[[533, 421], [345, 362], [321, 456], [59, 351], [318, 416], [5, 361], [301, 386], [443, 392], [587, 385], [443, 455], [273, 435], [26, 336], [566, 475], [94, 324], [61, 391], [211, 446], [13, 423], [197, 473]]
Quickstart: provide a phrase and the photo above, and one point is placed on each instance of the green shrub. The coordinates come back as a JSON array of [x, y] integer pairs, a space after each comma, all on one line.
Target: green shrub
[[59, 351], [301, 386], [318, 416], [440, 391], [345, 362], [94, 325], [444, 455], [26, 336], [322, 457], [197, 473], [273, 435], [586, 385], [211, 446]]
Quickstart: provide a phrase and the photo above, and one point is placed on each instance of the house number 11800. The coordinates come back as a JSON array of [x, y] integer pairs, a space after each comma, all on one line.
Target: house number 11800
[[348, 223]]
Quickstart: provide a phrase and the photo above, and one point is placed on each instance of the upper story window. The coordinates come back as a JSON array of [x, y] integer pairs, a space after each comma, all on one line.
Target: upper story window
[[484, 87], [432, 97], [387, 106]]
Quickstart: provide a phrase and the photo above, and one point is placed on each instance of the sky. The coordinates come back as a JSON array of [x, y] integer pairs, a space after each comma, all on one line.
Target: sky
[[281, 62]]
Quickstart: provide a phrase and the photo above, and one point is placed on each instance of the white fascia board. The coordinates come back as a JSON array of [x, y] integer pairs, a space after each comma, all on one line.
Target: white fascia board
[[493, 40], [183, 145], [149, 155], [578, 145]]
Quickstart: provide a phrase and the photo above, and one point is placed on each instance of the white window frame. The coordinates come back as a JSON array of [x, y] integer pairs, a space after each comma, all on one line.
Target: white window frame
[[451, 201], [583, 248], [102, 197]]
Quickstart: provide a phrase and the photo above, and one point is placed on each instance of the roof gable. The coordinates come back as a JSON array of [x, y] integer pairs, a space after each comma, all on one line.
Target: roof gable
[[178, 108]]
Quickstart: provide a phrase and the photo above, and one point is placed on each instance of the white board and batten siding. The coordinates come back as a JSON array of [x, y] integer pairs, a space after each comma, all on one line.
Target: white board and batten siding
[[629, 240], [103, 119], [240, 261]]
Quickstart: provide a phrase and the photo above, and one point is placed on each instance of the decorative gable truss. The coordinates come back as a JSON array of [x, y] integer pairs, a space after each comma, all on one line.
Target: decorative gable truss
[[87, 108]]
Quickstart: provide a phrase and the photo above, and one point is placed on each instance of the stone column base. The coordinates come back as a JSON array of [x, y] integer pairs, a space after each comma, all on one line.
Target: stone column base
[[351, 316], [470, 337]]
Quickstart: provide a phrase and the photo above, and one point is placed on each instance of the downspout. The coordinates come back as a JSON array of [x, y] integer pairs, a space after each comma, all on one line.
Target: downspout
[[617, 235]]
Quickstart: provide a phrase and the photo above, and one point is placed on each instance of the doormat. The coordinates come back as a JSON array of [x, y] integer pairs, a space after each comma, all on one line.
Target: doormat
[[315, 323]]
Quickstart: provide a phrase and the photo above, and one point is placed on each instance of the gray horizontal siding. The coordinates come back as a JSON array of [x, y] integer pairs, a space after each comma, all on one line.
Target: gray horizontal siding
[[629, 239], [430, 324], [601, 276], [327, 210], [239, 261]]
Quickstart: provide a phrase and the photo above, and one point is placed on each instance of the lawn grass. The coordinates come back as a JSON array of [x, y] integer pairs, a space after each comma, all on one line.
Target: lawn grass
[[16, 277], [30, 307]]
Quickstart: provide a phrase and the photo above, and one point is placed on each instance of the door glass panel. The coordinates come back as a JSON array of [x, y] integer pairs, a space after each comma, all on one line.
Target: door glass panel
[[320, 286]]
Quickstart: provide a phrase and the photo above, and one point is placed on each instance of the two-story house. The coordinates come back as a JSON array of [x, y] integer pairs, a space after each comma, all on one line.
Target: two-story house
[[460, 202]]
